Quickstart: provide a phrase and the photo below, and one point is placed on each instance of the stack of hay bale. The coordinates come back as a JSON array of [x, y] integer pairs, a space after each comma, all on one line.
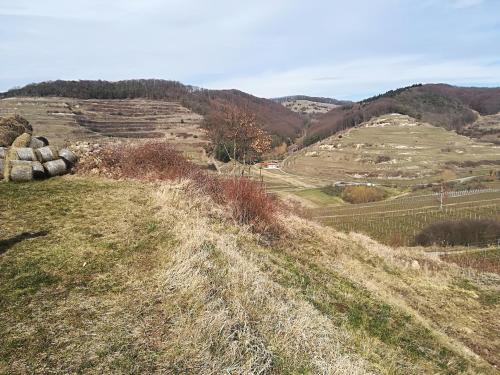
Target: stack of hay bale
[[24, 157]]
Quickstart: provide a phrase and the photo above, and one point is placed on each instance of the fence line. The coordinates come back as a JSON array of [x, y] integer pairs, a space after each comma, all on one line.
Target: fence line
[[426, 209]]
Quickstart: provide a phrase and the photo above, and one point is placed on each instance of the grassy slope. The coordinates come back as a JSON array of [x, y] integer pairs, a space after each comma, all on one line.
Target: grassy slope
[[134, 278], [418, 152]]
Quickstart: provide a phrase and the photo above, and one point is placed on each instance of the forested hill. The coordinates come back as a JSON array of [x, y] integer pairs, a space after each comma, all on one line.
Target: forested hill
[[441, 105], [275, 118]]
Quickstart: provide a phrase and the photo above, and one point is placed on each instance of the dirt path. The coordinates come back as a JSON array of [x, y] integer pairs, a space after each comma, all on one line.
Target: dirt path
[[464, 251]]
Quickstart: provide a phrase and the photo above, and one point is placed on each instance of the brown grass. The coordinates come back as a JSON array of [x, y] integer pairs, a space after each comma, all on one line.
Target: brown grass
[[246, 200], [484, 261]]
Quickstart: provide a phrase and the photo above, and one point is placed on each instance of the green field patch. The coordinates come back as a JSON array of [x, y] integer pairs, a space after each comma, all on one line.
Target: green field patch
[[318, 196]]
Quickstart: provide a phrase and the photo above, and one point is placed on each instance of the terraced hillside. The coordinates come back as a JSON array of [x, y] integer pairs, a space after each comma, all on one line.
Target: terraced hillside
[[308, 106], [394, 149], [273, 117], [486, 129], [138, 118], [50, 117], [64, 119]]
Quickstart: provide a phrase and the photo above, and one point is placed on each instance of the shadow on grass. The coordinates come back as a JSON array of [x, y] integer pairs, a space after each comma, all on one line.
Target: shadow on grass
[[9, 242]]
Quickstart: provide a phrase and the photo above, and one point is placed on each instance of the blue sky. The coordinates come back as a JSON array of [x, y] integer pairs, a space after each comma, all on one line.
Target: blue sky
[[344, 49]]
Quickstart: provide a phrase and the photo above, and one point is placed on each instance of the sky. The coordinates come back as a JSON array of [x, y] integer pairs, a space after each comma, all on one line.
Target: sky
[[349, 49]]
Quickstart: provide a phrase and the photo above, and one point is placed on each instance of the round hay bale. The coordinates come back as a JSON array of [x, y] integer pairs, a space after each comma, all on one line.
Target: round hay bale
[[22, 141], [68, 156], [9, 158], [56, 167], [14, 163], [45, 154], [26, 153], [21, 173], [43, 139], [3, 152], [38, 170], [12, 127], [36, 142]]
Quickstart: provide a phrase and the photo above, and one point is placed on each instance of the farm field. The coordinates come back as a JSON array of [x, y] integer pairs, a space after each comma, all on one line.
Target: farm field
[[66, 120], [393, 149], [396, 222]]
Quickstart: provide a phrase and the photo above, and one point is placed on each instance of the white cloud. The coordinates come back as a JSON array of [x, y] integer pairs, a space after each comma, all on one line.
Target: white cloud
[[465, 3], [456, 4], [364, 77], [324, 47]]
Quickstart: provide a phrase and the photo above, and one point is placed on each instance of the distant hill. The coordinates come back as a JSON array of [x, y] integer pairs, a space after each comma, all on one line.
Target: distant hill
[[309, 105], [317, 99], [450, 107], [392, 148], [275, 118]]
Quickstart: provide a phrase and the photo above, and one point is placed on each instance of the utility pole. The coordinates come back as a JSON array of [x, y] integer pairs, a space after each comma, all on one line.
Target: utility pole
[[441, 198]]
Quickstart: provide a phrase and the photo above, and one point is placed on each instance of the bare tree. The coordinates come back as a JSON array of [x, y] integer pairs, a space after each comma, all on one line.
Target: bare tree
[[236, 134]]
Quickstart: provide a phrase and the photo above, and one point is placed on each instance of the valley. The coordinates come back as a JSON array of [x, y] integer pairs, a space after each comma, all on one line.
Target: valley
[[178, 263], [250, 187]]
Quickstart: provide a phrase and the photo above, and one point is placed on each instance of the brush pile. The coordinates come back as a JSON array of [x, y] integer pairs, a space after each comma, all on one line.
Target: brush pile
[[24, 157]]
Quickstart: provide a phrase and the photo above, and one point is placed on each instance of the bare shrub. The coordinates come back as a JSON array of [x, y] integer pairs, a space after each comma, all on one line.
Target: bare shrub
[[463, 232], [362, 194], [250, 204]]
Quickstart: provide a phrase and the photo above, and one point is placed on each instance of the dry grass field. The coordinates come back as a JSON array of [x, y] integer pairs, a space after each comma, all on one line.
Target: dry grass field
[[393, 149], [66, 120], [104, 276]]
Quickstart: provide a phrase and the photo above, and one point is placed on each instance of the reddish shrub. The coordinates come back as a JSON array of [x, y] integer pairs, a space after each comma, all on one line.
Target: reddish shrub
[[249, 203]]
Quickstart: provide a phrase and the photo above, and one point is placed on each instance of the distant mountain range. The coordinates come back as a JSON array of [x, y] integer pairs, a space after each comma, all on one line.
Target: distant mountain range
[[442, 105]]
